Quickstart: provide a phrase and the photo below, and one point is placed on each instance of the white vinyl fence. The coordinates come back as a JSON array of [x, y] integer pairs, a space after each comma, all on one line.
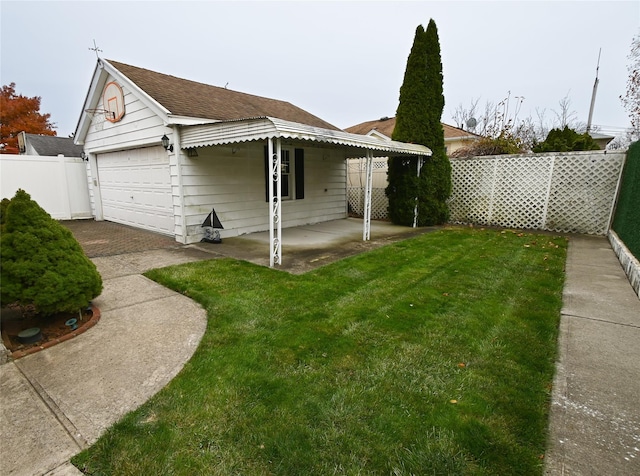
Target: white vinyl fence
[[57, 184], [571, 192]]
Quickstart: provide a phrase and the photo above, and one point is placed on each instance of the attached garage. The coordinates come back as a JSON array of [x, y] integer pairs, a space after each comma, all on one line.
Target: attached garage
[[135, 188]]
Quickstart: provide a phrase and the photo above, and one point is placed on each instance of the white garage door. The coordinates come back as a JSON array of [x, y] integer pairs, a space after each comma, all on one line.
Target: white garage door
[[135, 188]]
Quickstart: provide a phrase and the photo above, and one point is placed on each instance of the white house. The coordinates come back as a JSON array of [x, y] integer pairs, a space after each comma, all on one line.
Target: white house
[[224, 150]]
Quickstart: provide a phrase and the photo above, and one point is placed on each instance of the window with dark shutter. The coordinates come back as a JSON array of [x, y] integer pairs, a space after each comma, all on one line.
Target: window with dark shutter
[[286, 174]]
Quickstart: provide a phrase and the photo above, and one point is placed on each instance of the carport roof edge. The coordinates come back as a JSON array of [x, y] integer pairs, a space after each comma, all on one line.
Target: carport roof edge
[[262, 128]]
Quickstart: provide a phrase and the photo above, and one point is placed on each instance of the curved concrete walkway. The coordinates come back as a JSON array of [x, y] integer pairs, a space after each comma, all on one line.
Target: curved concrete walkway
[[58, 401]]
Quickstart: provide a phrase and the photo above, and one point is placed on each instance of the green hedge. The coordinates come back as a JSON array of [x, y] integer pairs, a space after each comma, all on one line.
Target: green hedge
[[626, 222]]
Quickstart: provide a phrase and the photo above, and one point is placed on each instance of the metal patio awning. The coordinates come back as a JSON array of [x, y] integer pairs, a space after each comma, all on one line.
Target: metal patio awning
[[273, 131], [262, 128]]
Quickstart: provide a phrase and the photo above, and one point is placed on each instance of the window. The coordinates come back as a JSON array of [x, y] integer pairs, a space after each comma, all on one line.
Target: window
[[285, 169], [291, 174]]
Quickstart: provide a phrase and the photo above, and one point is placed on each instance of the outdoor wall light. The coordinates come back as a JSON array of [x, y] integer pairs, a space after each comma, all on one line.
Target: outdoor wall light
[[165, 143]]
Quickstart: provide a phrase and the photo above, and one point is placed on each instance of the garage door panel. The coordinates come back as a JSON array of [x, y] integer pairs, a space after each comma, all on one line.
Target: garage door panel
[[136, 188]]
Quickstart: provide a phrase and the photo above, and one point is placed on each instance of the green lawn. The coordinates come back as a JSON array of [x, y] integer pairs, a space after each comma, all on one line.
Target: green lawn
[[434, 355]]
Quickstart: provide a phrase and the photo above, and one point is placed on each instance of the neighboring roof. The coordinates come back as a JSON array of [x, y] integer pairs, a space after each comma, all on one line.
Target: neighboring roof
[[53, 146], [229, 132], [183, 97], [385, 125], [600, 136]]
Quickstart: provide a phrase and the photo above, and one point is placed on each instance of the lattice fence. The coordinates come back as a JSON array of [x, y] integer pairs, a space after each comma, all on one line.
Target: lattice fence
[[570, 192], [573, 192], [379, 202]]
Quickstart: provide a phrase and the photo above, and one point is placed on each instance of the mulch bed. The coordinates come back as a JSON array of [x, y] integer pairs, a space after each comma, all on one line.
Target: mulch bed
[[53, 328]]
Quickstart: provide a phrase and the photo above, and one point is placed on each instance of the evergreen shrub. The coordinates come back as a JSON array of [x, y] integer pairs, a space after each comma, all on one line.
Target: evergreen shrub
[[41, 263], [3, 209], [566, 140]]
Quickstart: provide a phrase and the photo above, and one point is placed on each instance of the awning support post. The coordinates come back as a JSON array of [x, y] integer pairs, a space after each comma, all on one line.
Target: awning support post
[[415, 209], [366, 231], [275, 222]]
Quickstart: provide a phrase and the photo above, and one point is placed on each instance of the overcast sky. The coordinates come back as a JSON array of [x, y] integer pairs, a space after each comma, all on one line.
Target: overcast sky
[[342, 61]]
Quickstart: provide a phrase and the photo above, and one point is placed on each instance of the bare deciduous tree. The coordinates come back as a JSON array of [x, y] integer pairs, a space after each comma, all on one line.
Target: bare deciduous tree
[[631, 101], [461, 115], [502, 120]]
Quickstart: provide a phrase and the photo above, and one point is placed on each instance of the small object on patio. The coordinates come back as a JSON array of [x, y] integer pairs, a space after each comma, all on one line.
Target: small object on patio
[[211, 235], [72, 323], [30, 336]]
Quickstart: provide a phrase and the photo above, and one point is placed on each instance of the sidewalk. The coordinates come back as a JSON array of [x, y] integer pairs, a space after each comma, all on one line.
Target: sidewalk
[[595, 413]]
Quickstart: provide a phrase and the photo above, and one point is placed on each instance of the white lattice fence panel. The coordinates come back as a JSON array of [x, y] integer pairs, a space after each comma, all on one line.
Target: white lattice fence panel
[[379, 202], [572, 192], [471, 191], [582, 192], [520, 192], [355, 196]]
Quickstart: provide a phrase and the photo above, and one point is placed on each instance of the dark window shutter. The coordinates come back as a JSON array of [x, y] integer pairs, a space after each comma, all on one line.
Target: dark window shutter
[[266, 173], [299, 169]]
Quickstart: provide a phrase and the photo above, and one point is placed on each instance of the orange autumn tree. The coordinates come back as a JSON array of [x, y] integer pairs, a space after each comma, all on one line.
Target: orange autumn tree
[[20, 113]]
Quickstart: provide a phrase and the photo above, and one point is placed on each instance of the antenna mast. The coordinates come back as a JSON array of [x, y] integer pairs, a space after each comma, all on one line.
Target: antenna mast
[[593, 95], [95, 49]]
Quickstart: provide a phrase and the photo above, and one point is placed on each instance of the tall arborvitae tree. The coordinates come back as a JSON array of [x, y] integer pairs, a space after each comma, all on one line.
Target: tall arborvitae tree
[[418, 121], [402, 172], [436, 172]]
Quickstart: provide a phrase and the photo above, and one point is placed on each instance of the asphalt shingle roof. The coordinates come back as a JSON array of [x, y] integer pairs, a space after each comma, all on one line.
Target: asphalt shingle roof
[[53, 146], [183, 97], [386, 125]]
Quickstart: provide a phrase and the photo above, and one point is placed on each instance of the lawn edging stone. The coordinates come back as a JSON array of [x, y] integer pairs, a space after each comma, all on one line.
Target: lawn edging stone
[[95, 317]]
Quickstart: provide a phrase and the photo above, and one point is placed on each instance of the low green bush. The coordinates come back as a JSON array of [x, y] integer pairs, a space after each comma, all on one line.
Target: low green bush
[[41, 263], [566, 140]]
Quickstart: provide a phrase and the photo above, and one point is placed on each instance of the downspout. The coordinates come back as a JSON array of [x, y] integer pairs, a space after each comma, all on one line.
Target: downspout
[[177, 150], [94, 187]]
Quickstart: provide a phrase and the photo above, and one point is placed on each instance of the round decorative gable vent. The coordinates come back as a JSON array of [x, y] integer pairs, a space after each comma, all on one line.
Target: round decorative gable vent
[[113, 100]]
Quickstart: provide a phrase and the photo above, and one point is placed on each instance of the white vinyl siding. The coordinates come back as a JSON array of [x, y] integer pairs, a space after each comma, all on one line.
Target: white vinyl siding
[[234, 185], [139, 125]]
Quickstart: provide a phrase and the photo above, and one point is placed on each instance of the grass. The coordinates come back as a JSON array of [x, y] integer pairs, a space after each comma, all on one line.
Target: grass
[[434, 355]]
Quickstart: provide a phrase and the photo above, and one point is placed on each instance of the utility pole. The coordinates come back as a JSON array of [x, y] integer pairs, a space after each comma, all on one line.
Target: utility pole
[[593, 95]]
